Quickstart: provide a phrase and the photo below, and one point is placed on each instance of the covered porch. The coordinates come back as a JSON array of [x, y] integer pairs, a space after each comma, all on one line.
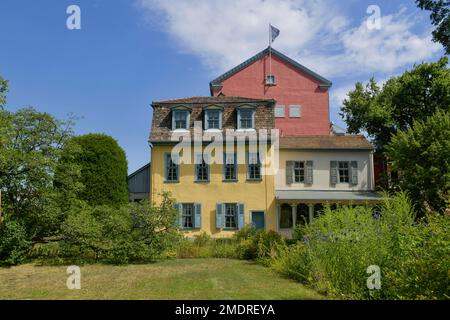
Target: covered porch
[[295, 207]]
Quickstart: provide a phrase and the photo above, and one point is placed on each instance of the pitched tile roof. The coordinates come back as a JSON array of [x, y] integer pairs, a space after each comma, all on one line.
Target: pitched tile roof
[[217, 81], [162, 122], [343, 142]]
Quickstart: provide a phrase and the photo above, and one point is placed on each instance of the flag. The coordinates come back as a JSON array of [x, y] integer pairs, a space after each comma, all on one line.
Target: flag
[[274, 33]]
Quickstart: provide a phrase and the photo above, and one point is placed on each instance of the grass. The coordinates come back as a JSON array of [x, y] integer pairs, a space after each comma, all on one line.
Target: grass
[[170, 279]]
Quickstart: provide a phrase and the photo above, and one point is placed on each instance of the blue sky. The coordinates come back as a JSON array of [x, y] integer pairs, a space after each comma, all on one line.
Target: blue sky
[[129, 53]]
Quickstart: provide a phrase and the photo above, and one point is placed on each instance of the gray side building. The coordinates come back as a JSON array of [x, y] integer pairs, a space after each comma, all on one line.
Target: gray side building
[[139, 184]]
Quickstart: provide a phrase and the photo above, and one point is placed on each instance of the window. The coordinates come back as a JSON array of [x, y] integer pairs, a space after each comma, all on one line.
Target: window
[[246, 118], [231, 215], [294, 111], [343, 171], [213, 119], [299, 171], [286, 216], [279, 111], [270, 80], [230, 167], [187, 215], [171, 168], [253, 166], [201, 169], [180, 119]]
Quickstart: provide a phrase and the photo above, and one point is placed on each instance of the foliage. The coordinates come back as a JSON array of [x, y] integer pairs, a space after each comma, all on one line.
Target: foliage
[[339, 246], [137, 232], [440, 17], [103, 167], [14, 243], [383, 111], [31, 148], [3, 90], [261, 245], [422, 156]]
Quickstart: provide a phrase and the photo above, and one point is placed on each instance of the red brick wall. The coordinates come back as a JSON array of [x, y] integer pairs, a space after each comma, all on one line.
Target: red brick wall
[[293, 87]]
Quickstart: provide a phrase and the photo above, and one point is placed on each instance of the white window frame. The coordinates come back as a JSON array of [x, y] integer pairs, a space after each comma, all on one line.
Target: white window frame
[[280, 107], [295, 107]]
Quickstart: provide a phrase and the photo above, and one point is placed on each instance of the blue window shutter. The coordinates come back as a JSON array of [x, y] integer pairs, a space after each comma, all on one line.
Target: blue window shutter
[[354, 172], [207, 161], [247, 164], [177, 160], [289, 172], [224, 165], [206, 126], [238, 119], [179, 220], [241, 215], [253, 118], [197, 215], [235, 166], [166, 166], [333, 172], [173, 119], [309, 172], [197, 161], [220, 219]]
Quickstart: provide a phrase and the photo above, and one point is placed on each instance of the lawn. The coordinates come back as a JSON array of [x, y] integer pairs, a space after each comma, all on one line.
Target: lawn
[[170, 279]]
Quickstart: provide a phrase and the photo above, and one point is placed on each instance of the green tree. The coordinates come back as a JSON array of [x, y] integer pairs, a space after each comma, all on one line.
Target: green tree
[[421, 155], [440, 18], [103, 166], [3, 90], [382, 111], [32, 142]]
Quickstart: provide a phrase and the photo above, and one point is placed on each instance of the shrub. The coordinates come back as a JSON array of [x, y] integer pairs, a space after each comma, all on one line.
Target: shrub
[[259, 245], [138, 232], [245, 233], [14, 243], [338, 246], [202, 239], [103, 167], [294, 262]]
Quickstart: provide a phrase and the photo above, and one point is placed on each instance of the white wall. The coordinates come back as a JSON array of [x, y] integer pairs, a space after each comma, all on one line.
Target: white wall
[[321, 169]]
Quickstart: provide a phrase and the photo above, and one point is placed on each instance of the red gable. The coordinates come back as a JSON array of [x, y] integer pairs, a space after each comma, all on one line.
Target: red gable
[[302, 92]]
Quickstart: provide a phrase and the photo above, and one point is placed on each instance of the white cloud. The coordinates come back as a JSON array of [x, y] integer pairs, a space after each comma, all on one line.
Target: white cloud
[[315, 33]]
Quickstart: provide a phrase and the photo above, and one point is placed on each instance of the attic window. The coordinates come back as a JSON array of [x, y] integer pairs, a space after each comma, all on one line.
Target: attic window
[[270, 80], [180, 118]]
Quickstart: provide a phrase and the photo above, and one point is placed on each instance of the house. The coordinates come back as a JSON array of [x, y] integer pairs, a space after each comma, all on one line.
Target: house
[[223, 182], [302, 95], [272, 180], [139, 184]]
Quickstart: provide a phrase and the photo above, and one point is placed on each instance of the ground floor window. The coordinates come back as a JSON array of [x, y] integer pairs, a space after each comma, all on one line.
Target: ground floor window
[[286, 216], [302, 214], [231, 215], [318, 208], [187, 215]]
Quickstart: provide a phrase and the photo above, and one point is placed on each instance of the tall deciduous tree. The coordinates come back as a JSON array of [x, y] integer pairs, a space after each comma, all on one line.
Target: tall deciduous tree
[[382, 111], [103, 169], [31, 146], [422, 157], [440, 17]]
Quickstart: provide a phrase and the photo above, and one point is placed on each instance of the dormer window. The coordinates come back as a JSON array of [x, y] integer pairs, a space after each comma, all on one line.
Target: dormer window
[[270, 80], [180, 119], [213, 118], [246, 118]]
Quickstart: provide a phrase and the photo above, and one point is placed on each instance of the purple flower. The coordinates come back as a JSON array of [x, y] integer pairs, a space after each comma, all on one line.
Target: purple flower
[[376, 216]]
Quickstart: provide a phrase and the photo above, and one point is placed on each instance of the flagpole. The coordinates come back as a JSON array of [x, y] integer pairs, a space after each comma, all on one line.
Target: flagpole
[[270, 52]]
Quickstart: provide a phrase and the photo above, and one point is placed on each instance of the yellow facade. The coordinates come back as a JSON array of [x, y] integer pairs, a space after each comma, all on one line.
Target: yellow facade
[[255, 195]]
